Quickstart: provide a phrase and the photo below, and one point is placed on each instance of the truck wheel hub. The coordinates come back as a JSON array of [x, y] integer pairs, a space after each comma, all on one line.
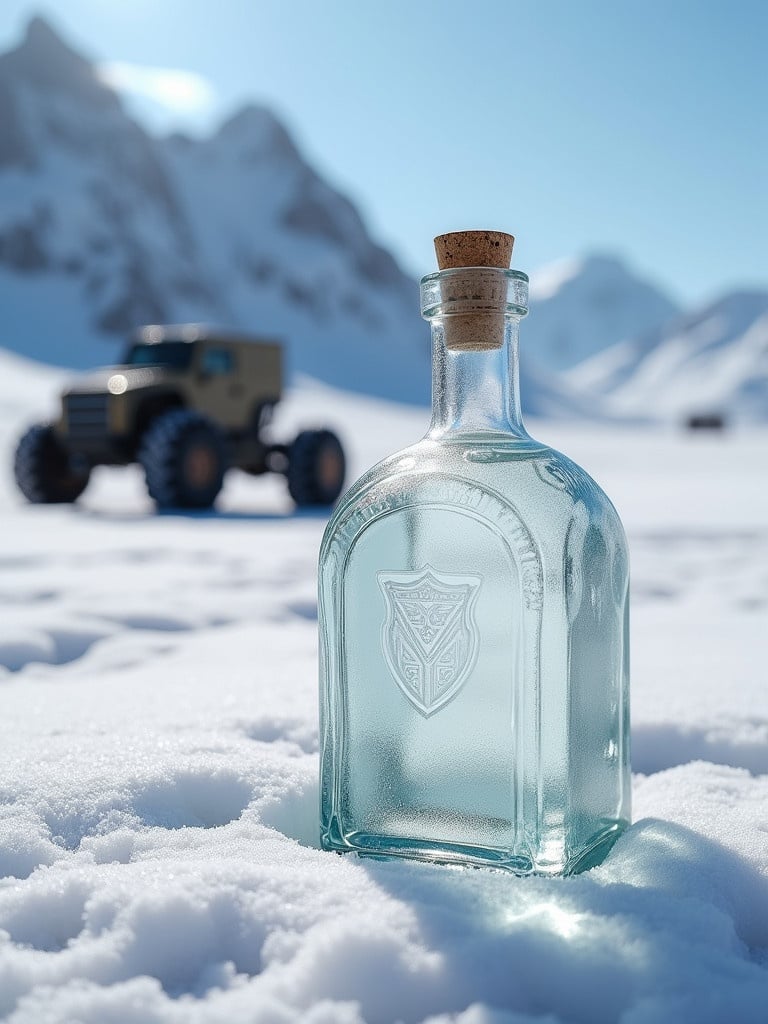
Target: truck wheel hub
[[200, 466], [329, 468]]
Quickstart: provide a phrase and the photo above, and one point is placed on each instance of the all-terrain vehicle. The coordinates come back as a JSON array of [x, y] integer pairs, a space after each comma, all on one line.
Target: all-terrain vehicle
[[187, 403]]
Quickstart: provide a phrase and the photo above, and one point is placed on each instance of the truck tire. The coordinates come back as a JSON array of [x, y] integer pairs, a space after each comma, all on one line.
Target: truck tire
[[184, 460], [44, 471], [316, 467]]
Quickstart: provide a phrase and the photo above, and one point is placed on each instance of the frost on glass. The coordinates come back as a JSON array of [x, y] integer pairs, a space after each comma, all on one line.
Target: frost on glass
[[474, 661]]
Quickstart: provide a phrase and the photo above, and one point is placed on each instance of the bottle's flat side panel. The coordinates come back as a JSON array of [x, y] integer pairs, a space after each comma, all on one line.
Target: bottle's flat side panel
[[430, 684], [598, 674], [331, 645], [595, 578], [433, 694]]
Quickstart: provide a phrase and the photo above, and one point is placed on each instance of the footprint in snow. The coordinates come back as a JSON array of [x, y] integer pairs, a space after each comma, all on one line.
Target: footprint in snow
[[192, 800], [47, 647], [294, 814], [283, 729], [46, 916]]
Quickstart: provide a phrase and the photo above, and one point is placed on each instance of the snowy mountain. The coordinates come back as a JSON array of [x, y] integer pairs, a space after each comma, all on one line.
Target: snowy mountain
[[103, 228], [581, 306], [712, 360]]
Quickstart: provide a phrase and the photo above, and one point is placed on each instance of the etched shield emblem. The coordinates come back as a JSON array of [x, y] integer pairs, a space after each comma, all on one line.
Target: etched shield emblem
[[430, 635]]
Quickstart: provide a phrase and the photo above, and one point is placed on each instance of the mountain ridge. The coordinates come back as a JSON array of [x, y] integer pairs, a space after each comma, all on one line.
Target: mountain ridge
[[104, 227], [713, 360], [582, 305], [110, 228]]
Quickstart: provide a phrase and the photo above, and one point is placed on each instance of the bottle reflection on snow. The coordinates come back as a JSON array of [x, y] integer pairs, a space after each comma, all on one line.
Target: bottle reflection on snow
[[474, 619]]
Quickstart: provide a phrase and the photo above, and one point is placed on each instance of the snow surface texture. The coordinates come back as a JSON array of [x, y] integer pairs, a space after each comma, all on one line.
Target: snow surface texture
[[158, 779]]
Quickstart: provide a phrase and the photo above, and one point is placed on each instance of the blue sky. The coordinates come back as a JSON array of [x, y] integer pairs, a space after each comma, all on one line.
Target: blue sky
[[635, 128]]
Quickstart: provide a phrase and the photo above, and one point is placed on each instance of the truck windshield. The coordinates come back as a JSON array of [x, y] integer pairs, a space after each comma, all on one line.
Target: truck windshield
[[177, 354]]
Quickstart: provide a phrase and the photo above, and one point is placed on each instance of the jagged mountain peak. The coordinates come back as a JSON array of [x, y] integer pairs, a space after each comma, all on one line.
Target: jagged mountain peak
[[41, 39], [580, 306], [104, 227], [712, 359], [741, 306], [258, 132], [593, 269], [714, 325], [46, 62]]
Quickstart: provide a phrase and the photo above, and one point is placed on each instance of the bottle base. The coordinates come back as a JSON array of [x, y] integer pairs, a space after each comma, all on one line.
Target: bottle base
[[596, 850], [379, 847]]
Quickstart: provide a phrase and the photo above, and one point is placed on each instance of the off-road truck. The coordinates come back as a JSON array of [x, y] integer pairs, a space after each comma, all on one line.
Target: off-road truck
[[187, 403]]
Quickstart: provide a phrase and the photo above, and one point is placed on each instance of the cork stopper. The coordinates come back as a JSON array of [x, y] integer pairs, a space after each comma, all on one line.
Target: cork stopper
[[477, 299], [474, 249]]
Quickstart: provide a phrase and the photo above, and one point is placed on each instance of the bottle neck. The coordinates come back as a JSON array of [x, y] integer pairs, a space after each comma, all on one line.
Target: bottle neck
[[476, 392]]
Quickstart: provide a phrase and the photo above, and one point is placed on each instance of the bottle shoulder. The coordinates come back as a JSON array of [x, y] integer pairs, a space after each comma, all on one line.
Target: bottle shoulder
[[542, 487]]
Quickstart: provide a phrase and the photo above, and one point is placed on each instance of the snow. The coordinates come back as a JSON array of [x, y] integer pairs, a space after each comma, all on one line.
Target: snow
[[158, 784], [579, 307], [104, 228], [712, 360]]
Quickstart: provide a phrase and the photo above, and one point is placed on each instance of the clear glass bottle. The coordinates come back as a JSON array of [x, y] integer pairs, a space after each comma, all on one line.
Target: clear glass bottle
[[474, 626]]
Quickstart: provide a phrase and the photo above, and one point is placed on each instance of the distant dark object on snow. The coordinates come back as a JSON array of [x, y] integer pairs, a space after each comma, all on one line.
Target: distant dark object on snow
[[706, 421]]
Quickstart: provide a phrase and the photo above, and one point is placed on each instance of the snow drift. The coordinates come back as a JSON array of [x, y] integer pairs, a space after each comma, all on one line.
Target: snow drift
[[158, 778]]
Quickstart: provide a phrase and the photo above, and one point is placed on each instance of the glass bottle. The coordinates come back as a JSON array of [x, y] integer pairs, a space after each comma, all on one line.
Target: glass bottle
[[473, 614]]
